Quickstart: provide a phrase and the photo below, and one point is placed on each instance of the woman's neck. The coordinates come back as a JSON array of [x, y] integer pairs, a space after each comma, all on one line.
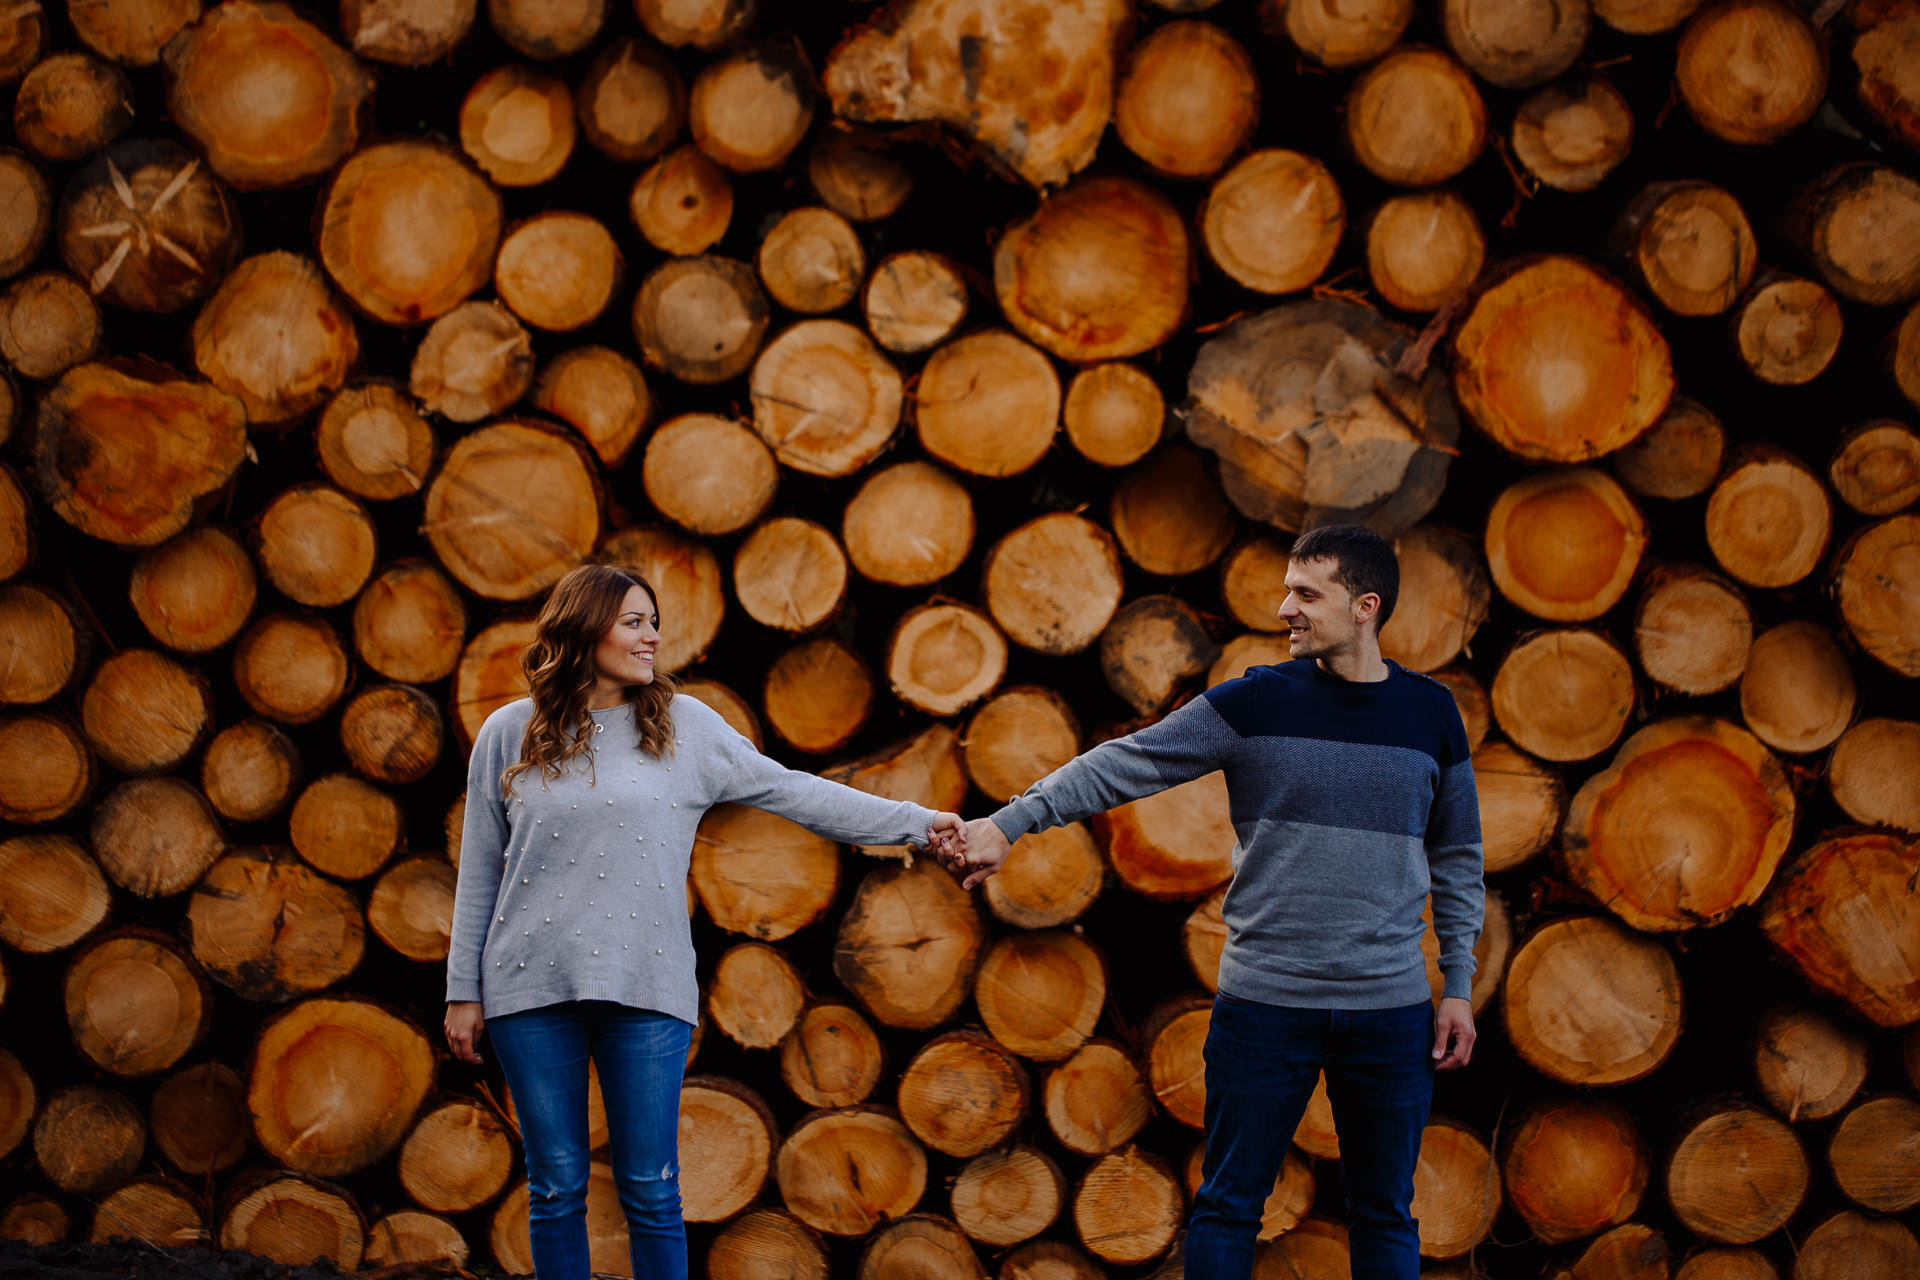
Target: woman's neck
[[606, 696]]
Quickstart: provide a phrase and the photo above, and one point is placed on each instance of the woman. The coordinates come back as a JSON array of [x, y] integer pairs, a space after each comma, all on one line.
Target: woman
[[570, 932]]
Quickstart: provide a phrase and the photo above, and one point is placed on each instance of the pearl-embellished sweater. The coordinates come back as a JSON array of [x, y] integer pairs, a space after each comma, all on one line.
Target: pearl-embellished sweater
[[576, 889]]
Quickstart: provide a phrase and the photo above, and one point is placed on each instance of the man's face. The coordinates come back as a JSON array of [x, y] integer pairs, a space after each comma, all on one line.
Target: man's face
[[1322, 617]]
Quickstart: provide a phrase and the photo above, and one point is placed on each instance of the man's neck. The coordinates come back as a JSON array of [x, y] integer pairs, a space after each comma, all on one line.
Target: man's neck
[[1359, 665]]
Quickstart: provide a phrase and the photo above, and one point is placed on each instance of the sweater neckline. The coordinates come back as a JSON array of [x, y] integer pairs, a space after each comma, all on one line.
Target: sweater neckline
[[1363, 686]]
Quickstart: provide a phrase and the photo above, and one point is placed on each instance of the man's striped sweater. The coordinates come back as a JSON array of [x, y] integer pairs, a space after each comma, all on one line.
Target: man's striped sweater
[[1352, 802]]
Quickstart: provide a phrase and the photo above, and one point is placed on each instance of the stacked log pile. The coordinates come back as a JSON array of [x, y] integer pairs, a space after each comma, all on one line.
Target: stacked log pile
[[960, 371]]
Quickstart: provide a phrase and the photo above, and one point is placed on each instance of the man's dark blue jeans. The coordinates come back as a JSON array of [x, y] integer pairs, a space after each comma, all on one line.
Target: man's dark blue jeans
[[1262, 1063], [641, 1055]]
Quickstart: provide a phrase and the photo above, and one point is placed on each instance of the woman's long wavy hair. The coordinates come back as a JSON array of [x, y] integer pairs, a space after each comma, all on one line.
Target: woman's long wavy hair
[[560, 674]]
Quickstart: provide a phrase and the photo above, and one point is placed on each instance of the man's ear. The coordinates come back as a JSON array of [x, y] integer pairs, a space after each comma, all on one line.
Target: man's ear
[[1366, 606]]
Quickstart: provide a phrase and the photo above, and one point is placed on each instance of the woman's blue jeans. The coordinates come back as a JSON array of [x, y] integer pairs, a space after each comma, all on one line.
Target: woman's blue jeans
[[1262, 1063], [641, 1055]]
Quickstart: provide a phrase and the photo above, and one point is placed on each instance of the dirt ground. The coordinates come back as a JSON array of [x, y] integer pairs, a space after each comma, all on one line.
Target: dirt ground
[[144, 1262]]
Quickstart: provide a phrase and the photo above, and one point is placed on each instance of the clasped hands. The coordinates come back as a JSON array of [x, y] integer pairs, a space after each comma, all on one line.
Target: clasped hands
[[976, 848]]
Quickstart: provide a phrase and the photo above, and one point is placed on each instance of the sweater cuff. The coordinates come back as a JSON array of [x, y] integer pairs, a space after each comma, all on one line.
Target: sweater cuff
[[462, 988], [924, 816], [1013, 819], [1458, 984]]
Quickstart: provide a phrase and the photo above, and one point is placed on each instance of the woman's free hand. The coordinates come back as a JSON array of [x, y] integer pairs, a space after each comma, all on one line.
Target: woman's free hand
[[947, 835], [464, 1021]]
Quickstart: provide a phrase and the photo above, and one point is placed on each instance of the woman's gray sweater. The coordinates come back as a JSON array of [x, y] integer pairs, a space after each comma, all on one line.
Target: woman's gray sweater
[[576, 889]]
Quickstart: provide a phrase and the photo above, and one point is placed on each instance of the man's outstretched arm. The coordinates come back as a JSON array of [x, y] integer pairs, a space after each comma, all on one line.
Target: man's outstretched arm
[[1187, 744]]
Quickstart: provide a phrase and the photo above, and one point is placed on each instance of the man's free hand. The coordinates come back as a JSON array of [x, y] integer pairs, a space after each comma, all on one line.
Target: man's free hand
[[1453, 1034], [979, 852]]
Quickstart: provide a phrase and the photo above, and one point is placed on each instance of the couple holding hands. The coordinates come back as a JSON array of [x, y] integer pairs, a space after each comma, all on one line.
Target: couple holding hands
[[1352, 798]]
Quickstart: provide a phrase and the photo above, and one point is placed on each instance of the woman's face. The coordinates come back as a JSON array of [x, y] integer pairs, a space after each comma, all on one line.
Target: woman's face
[[624, 655]]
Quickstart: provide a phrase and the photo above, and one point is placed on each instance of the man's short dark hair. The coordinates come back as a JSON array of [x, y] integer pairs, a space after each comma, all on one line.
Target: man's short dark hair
[[1363, 562]]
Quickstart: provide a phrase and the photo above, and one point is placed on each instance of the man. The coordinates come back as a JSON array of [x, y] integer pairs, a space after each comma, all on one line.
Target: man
[[1352, 795]]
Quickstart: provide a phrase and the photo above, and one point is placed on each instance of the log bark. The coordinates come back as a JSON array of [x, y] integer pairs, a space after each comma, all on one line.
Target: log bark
[[755, 995], [832, 1058], [1851, 1243], [1786, 329], [46, 770], [1876, 468], [987, 404], [844, 1172], [1751, 70], [410, 1238], [24, 193], [790, 574], [1174, 845], [517, 124], [1557, 363], [1031, 85], [558, 271], [1053, 583], [70, 105], [926, 769], [1737, 1175], [685, 576], [290, 668], [700, 319], [1769, 519], [88, 1140], [1564, 695], [750, 109], [1870, 773], [913, 301], [924, 1245], [943, 658], [1797, 694], [546, 29], [1689, 244], [1444, 598], [683, 203], [294, 1221], [54, 894], [193, 593], [270, 929], [411, 908], [1521, 804], [1004, 1197], [1424, 249], [1841, 915], [47, 645], [1056, 879], [409, 230], [910, 525], [404, 32], [1573, 1168], [963, 1093], [1096, 1100], [1313, 423], [199, 1118], [708, 474], [153, 1210], [475, 362], [155, 837], [1188, 99], [275, 336], [1516, 46], [1692, 630], [1456, 1186], [855, 176], [345, 827], [513, 508], [1127, 1207], [269, 99], [1572, 135], [143, 712], [1808, 1067], [135, 1004], [1872, 1154], [1022, 735], [1859, 225], [1174, 1036], [1592, 1038], [146, 227], [334, 1084], [632, 104], [456, 1158], [1875, 582], [1040, 994], [1340, 36], [824, 399], [1152, 647], [908, 945], [1099, 272], [374, 443], [811, 261], [727, 1141], [48, 324], [1415, 118], [817, 695], [767, 1244]]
